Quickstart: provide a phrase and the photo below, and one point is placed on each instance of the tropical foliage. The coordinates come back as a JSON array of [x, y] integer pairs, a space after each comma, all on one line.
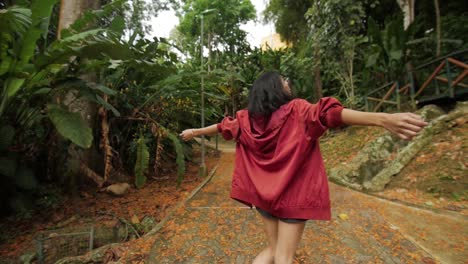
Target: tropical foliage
[[33, 84], [355, 46], [142, 92]]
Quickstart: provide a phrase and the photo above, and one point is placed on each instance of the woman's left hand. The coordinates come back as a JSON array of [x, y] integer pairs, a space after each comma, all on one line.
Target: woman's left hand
[[405, 125], [187, 134]]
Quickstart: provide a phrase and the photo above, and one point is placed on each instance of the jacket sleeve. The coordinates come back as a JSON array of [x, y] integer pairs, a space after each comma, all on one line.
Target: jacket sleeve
[[329, 112], [229, 128], [326, 113]]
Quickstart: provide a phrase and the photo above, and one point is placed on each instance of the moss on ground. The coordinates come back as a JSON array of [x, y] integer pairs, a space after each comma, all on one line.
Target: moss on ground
[[437, 177]]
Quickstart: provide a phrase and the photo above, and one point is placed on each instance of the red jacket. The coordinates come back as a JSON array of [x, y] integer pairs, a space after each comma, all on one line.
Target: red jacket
[[278, 165]]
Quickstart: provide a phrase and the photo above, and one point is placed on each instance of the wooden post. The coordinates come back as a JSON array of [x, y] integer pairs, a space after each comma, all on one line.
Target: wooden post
[[433, 75], [436, 83], [458, 63], [460, 78], [91, 238], [412, 90], [449, 79], [397, 91]]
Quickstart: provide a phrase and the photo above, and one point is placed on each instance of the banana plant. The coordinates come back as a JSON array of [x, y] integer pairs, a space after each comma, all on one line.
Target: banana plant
[[388, 47], [153, 90], [27, 73], [23, 29], [17, 176]]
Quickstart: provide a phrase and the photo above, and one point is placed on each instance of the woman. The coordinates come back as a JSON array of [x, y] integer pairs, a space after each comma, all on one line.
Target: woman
[[278, 166]]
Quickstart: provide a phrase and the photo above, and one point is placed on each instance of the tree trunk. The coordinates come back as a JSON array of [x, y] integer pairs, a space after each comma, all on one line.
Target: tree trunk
[[209, 52], [350, 62], [438, 29], [407, 6], [70, 11], [105, 144], [317, 79], [318, 83], [233, 99]]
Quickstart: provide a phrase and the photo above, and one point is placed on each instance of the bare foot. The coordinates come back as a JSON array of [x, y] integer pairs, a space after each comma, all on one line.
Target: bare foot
[[265, 257]]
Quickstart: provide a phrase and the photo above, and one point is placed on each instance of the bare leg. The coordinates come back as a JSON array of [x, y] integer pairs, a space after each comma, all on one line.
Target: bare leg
[[289, 236], [271, 229]]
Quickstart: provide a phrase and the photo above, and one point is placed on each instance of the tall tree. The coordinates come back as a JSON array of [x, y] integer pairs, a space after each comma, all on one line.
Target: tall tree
[[70, 11], [222, 25], [438, 39], [289, 19], [139, 12], [335, 32], [291, 23], [407, 6]]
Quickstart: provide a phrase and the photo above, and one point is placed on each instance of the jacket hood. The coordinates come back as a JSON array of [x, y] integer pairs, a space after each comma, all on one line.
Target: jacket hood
[[261, 132]]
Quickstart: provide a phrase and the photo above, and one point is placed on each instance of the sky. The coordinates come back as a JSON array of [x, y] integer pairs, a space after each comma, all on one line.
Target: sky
[[167, 20]]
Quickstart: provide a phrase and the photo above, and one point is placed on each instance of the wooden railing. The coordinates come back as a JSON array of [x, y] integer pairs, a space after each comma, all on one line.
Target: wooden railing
[[385, 99], [394, 92]]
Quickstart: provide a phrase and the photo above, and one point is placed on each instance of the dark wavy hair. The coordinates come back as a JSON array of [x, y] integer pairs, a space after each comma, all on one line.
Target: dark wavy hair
[[267, 94]]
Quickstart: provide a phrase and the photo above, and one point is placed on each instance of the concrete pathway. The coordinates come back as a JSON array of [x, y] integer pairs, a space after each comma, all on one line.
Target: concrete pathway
[[212, 228]]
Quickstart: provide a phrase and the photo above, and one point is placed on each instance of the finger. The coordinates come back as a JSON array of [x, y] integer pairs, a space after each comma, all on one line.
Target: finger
[[402, 136], [411, 127], [418, 117], [408, 133], [415, 116], [417, 122]]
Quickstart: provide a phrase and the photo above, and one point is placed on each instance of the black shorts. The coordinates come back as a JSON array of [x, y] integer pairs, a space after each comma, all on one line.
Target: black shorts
[[286, 220]]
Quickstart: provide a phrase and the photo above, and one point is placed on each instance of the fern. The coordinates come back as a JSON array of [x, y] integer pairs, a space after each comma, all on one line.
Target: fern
[[142, 162]]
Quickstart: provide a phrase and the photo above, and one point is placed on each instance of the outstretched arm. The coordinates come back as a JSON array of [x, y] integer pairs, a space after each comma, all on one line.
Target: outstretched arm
[[188, 134], [405, 125]]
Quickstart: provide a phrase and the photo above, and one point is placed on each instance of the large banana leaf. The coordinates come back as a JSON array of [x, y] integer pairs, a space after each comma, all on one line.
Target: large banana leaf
[[142, 162], [15, 20], [88, 90], [6, 62], [373, 55], [7, 135], [373, 32], [11, 87], [180, 160], [70, 125], [41, 12], [38, 24], [92, 44]]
